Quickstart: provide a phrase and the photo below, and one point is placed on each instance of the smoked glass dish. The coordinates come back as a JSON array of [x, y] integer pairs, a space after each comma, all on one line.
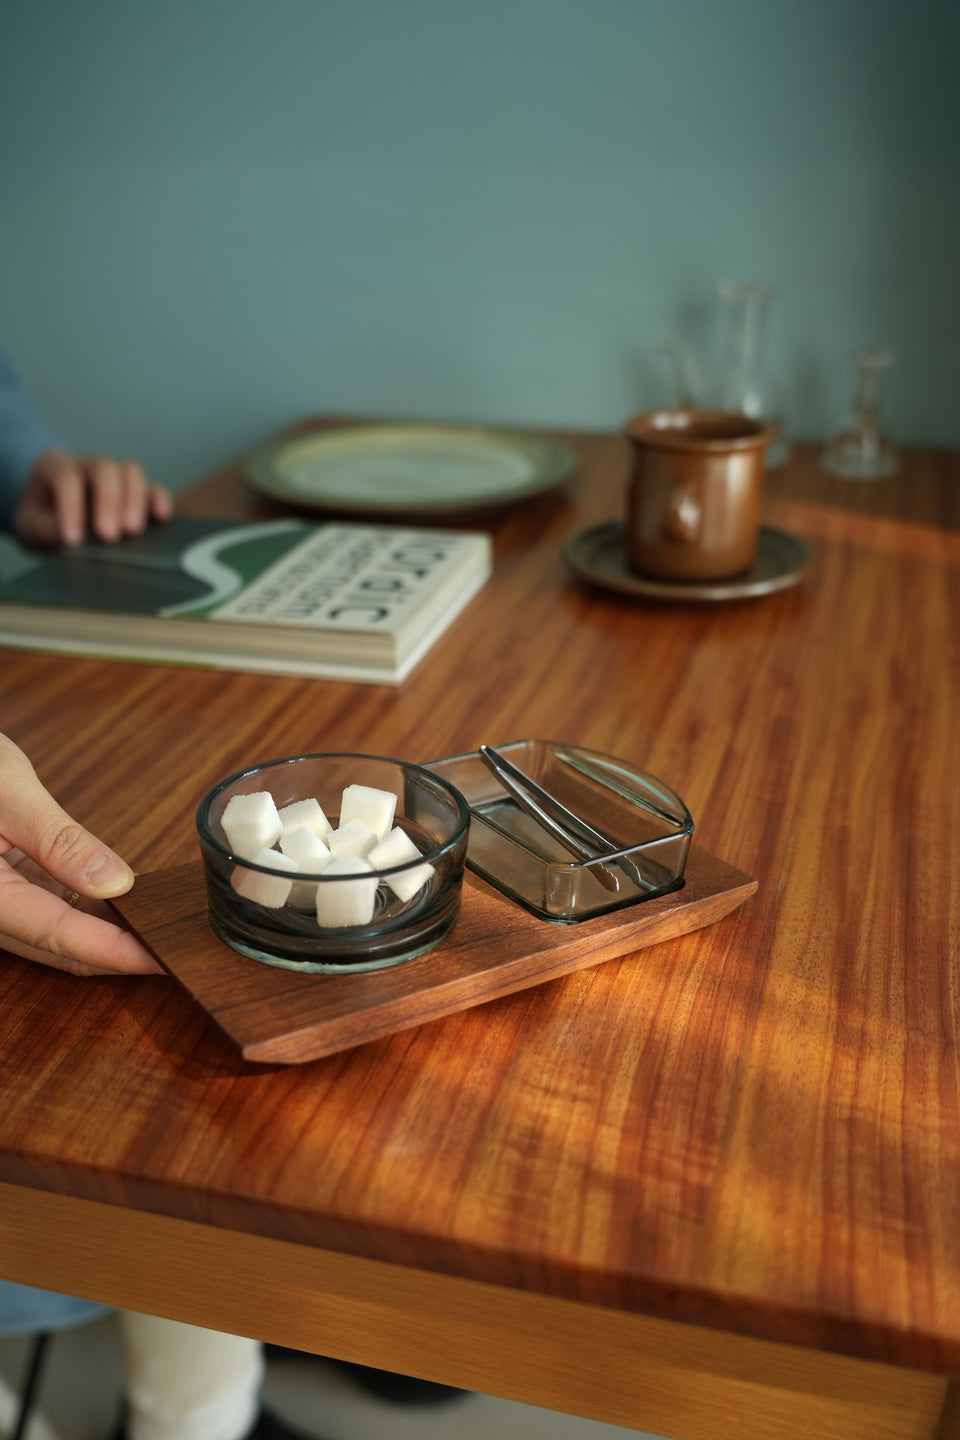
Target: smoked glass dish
[[429, 809], [647, 825]]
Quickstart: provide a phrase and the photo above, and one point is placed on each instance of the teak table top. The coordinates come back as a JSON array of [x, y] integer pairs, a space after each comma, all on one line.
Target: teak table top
[[753, 1129]]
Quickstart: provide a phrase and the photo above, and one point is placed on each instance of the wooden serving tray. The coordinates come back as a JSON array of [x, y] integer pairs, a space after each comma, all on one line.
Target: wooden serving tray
[[279, 1017]]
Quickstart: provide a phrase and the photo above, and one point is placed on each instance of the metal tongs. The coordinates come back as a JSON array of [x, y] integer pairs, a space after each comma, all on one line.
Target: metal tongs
[[569, 829]]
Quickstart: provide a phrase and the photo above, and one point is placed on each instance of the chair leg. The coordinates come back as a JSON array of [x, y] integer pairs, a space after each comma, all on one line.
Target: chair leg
[[30, 1384]]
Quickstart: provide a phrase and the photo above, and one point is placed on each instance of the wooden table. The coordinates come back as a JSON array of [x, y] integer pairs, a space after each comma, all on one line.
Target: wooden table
[[708, 1189]]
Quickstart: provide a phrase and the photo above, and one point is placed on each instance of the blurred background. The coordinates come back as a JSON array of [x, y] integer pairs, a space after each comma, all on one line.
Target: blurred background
[[220, 216]]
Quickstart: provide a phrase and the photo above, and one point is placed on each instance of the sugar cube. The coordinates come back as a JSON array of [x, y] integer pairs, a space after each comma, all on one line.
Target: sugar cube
[[349, 901], [271, 891], [306, 847], [250, 823], [376, 808], [312, 856], [308, 813], [355, 838], [398, 849]]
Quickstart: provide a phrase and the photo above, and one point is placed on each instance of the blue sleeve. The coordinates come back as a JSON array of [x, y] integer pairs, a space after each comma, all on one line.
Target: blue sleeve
[[25, 1311], [24, 435]]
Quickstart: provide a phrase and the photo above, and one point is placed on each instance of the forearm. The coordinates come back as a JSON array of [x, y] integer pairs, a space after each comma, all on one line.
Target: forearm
[[24, 436]]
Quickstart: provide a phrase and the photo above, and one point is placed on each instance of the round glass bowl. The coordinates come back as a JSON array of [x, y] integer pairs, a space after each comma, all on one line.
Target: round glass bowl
[[429, 809]]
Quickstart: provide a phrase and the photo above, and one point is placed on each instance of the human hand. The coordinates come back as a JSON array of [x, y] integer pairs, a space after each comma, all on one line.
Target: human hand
[[45, 859], [65, 495]]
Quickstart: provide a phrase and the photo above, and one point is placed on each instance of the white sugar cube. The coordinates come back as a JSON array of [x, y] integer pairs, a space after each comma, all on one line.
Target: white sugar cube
[[271, 891], [398, 849], [251, 822], [353, 839], [306, 847], [349, 901], [376, 808], [308, 813], [312, 856]]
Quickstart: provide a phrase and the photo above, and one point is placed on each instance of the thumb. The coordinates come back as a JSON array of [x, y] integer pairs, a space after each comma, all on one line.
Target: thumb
[[32, 821]]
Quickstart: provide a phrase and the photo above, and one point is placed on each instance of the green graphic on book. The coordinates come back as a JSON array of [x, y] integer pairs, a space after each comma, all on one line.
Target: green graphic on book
[[185, 567]]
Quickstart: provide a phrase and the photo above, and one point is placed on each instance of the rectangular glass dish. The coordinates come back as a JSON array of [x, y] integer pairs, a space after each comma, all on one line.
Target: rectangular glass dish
[[648, 827]]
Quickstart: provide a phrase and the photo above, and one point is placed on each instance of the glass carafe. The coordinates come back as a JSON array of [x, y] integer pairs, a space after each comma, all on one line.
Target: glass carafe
[[744, 384]]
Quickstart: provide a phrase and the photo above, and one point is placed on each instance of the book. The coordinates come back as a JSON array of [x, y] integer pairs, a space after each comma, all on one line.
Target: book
[[341, 601]]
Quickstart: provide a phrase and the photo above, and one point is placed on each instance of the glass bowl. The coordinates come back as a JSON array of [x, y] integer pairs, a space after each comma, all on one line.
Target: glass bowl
[[243, 895], [647, 825]]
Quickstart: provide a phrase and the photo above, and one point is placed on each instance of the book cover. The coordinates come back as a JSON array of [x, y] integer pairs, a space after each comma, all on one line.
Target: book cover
[[347, 601]]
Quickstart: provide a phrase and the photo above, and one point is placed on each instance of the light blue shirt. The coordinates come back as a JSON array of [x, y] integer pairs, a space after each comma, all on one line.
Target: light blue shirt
[[24, 434], [24, 1311]]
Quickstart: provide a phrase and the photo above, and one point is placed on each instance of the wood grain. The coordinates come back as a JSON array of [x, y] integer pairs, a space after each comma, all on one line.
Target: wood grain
[[620, 1368], [495, 949], [756, 1130]]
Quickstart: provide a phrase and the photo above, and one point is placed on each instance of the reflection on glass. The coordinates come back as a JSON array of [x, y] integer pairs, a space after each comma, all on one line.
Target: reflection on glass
[[745, 387], [859, 450], [687, 389]]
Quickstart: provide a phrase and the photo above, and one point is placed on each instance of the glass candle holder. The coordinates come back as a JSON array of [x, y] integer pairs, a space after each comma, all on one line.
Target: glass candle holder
[[859, 450]]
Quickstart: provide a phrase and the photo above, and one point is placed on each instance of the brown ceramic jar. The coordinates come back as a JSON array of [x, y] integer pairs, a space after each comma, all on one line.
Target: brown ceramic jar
[[693, 493]]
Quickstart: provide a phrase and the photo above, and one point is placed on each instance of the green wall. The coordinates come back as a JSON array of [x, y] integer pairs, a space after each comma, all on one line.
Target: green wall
[[218, 216]]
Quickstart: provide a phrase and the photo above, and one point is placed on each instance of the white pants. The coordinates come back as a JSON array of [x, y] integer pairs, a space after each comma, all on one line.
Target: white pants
[[185, 1383]]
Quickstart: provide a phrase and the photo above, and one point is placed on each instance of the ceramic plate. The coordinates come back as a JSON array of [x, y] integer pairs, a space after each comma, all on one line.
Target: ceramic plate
[[598, 556], [409, 469]]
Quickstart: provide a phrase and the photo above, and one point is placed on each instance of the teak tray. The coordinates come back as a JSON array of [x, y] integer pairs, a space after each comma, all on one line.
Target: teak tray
[[279, 1017]]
